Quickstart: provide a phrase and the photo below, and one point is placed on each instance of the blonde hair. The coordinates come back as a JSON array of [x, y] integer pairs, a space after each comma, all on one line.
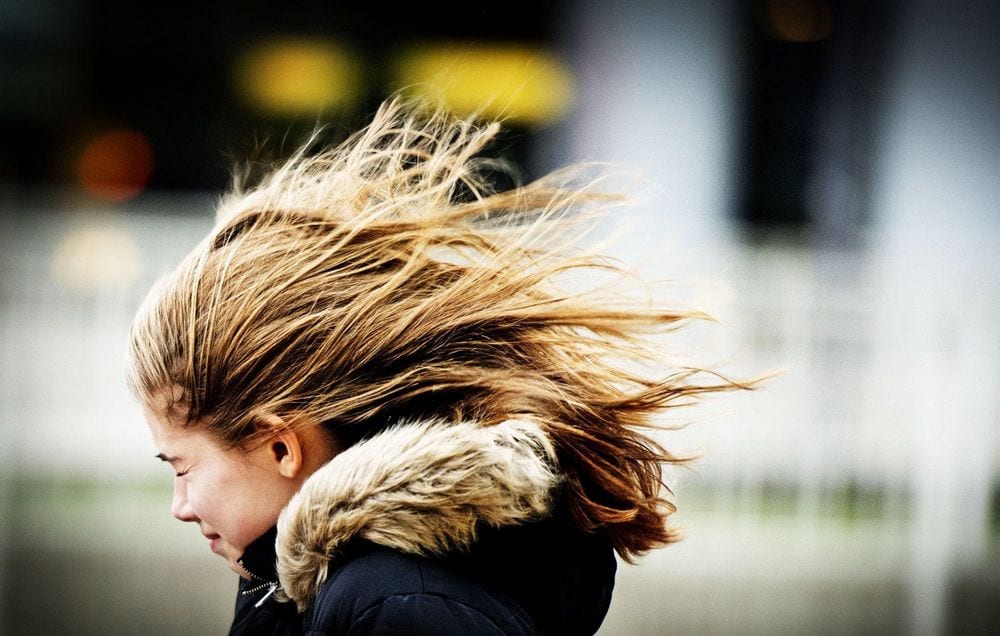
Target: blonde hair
[[384, 279]]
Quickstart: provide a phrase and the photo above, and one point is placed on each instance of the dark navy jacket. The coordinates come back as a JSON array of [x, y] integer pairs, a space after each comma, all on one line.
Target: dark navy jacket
[[546, 577]]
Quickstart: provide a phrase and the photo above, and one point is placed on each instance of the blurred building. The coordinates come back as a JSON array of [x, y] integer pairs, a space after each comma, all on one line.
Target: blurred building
[[835, 164]]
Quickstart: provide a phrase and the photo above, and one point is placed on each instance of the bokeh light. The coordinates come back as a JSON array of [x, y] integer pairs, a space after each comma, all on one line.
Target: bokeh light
[[797, 20], [289, 77], [115, 165], [517, 83], [96, 257]]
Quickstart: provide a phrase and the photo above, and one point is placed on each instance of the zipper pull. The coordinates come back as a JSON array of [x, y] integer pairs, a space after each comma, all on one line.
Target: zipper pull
[[272, 590]]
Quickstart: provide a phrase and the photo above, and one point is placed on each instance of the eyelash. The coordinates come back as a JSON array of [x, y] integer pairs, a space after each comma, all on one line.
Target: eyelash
[[181, 474]]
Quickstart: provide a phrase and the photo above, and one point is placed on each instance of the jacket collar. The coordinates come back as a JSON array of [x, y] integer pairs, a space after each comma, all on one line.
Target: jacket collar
[[259, 559], [421, 488]]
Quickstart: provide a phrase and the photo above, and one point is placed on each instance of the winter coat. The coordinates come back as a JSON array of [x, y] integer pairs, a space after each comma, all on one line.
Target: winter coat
[[430, 528]]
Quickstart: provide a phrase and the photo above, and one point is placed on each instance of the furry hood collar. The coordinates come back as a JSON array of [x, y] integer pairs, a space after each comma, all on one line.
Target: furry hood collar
[[419, 488]]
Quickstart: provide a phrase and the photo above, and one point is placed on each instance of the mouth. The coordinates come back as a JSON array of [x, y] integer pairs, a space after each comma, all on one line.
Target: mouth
[[214, 541]]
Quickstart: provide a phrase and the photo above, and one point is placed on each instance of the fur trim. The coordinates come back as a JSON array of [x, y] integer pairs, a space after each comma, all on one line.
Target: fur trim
[[419, 488]]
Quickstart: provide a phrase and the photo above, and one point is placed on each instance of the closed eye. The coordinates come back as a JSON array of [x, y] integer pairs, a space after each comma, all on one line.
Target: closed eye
[[171, 460]]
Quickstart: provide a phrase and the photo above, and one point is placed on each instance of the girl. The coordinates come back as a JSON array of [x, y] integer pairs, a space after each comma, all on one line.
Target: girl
[[382, 410]]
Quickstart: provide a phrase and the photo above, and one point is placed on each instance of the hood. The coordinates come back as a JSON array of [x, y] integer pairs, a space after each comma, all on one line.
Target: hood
[[422, 488]]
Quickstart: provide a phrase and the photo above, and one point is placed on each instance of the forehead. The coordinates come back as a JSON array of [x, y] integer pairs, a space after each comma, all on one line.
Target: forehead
[[170, 434]]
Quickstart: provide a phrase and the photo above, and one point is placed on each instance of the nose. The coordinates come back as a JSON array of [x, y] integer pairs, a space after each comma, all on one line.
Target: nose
[[180, 507]]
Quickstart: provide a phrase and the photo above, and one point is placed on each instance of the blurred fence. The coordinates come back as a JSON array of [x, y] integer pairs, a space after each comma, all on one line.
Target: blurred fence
[[866, 472]]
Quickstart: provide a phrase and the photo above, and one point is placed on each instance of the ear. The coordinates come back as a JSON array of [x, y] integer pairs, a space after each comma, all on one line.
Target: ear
[[285, 451], [296, 451], [282, 451]]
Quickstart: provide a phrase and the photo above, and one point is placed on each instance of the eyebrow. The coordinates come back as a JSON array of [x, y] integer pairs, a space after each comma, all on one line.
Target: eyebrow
[[165, 458]]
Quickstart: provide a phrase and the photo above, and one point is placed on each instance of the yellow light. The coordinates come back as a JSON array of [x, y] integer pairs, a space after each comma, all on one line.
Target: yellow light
[[513, 82], [299, 77]]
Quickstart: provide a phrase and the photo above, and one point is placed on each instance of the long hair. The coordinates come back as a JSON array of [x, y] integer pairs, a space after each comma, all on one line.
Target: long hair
[[384, 279]]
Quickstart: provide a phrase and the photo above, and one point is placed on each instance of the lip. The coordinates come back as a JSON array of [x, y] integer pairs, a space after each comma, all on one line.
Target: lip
[[214, 541]]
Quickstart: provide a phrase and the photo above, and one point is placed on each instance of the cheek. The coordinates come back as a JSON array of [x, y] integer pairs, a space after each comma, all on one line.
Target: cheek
[[238, 502], [199, 500], [207, 494], [199, 504]]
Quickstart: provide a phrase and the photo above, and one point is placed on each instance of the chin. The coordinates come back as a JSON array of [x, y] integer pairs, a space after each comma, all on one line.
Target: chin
[[236, 567]]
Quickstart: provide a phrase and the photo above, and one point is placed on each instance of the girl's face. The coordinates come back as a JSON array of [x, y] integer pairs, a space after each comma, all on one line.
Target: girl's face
[[233, 495]]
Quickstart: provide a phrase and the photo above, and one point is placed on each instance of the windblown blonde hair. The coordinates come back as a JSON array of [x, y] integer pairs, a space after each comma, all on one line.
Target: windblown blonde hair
[[384, 279]]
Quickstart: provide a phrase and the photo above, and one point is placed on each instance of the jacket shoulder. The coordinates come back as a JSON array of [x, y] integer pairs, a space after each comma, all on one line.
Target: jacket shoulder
[[379, 590]]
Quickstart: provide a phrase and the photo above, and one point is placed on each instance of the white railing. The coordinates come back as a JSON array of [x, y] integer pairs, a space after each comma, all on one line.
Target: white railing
[[887, 399]]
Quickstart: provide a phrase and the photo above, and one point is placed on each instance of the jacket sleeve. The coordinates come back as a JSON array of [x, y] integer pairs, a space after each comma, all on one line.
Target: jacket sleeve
[[422, 614]]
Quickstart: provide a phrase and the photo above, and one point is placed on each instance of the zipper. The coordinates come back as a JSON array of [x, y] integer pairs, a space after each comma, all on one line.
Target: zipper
[[271, 586], [274, 588]]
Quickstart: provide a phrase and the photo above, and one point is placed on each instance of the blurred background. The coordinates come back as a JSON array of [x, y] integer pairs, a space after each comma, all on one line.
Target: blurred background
[[834, 165]]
